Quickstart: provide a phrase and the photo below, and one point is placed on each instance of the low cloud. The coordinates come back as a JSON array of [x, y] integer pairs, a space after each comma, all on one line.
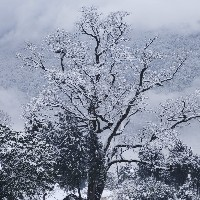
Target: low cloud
[[23, 20], [11, 101]]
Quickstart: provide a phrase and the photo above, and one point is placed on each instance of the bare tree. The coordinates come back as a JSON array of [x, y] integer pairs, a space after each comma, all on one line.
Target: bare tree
[[103, 83]]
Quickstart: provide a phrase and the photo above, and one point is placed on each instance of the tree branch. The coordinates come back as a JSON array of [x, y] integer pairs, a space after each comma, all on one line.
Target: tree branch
[[125, 161]]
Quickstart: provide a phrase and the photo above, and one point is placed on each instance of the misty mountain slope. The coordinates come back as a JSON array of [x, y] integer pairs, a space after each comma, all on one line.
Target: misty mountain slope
[[27, 83], [31, 81]]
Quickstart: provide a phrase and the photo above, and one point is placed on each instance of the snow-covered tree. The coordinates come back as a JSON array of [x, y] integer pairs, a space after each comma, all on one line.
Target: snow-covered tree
[[146, 182], [24, 168], [154, 156], [150, 189], [145, 189], [69, 146], [103, 83]]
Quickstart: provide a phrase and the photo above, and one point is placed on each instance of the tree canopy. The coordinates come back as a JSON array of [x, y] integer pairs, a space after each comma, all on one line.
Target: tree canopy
[[79, 126]]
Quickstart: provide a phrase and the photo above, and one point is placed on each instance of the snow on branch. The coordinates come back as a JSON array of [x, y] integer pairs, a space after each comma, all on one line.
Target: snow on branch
[[176, 113]]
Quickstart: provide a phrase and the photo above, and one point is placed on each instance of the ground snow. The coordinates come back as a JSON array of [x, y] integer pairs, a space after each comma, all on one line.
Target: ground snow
[[58, 194]]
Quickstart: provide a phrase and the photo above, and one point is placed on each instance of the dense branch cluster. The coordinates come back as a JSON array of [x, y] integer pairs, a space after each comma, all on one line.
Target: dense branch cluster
[[95, 86], [146, 182]]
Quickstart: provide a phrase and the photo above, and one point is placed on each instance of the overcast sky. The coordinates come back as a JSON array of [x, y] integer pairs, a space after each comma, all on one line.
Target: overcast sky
[[31, 19], [22, 20]]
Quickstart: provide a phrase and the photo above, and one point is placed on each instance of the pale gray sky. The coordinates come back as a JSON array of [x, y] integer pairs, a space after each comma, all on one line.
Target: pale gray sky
[[30, 19]]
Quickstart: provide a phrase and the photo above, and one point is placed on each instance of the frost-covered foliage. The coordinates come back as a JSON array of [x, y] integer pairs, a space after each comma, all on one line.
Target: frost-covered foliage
[[144, 189], [150, 189], [96, 84], [185, 166], [180, 181], [5, 118], [62, 138], [186, 192], [24, 165], [181, 110]]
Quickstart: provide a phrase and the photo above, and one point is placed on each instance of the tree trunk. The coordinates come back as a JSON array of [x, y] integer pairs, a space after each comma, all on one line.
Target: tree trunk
[[44, 196], [96, 182], [97, 171]]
